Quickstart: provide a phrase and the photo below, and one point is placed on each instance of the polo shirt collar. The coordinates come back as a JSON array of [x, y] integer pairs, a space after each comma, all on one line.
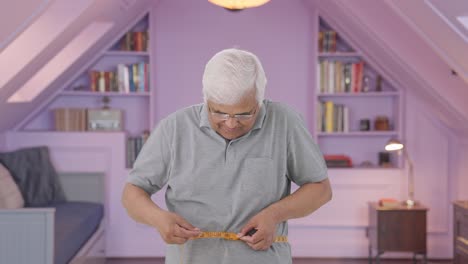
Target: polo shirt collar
[[204, 122]]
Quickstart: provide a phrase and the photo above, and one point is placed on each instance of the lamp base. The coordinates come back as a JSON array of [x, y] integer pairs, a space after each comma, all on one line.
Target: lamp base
[[410, 203]]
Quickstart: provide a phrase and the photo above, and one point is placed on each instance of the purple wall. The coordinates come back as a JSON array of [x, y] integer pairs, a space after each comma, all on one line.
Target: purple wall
[[187, 33]]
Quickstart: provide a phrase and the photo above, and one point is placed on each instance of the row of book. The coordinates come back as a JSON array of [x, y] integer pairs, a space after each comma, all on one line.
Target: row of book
[[327, 41], [134, 41], [134, 146], [332, 117], [340, 77], [126, 79], [70, 119]]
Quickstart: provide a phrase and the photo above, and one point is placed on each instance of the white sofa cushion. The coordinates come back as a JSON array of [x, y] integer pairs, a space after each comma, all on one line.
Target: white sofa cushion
[[10, 195]]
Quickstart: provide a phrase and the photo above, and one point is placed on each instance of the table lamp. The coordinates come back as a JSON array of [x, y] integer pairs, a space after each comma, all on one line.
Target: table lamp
[[396, 145]]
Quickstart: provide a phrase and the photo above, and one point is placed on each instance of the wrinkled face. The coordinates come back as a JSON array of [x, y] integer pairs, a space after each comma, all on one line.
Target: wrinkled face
[[233, 121]]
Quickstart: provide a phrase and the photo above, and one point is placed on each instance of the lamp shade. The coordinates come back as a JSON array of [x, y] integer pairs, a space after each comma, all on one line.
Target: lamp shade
[[393, 145], [238, 4]]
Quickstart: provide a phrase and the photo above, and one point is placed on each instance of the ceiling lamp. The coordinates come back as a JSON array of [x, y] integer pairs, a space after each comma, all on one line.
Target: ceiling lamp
[[238, 4]]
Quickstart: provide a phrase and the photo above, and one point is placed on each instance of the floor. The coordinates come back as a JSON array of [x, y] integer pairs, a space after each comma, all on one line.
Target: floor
[[295, 261]]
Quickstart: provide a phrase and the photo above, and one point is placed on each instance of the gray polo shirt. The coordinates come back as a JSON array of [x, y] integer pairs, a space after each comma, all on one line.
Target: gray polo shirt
[[218, 185]]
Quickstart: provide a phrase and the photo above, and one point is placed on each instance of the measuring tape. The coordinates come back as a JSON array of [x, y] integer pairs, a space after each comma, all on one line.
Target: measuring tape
[[233, 236], [224, 235]]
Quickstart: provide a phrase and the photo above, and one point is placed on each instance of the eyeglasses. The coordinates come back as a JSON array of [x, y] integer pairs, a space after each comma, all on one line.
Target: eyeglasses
[[239, 117]]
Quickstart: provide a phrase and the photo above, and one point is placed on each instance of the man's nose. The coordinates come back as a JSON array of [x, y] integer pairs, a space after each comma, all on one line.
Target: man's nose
[[231, 122]]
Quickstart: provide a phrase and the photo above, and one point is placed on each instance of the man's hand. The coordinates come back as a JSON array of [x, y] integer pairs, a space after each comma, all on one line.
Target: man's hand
[[174, 229], [264, 235]]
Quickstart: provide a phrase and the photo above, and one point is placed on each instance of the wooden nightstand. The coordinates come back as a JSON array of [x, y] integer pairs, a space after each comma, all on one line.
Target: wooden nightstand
[[460, 232], [398, 228]]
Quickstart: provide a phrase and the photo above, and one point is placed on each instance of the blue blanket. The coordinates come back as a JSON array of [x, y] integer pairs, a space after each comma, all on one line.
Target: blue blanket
[[75, 223]]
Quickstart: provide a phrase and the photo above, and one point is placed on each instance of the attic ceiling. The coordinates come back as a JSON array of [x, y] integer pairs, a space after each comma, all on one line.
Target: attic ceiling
[[425, 70], [40, 31], [436, 21], [19, 17]]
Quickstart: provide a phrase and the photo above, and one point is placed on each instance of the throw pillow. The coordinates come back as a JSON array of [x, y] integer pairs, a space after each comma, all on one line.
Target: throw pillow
[[10, 195], [37, 179]]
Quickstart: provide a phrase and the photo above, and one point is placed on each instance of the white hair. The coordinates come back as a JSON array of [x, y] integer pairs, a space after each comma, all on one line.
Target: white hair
[[231, 74]]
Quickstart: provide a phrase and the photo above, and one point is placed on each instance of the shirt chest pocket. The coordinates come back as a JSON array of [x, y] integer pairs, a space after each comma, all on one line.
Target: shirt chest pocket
[[259, 178]]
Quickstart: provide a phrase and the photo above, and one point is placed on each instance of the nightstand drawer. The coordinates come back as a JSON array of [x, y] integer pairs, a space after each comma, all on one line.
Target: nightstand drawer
[[461, 251], [402, 230], [397, 229], [460, 229]]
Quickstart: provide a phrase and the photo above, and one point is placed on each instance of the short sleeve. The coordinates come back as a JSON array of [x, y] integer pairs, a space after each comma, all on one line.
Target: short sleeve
[[305, 160], [151, 168]]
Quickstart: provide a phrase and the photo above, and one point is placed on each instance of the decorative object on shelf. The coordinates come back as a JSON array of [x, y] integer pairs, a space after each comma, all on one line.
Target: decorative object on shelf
[[396, 145], [80, 88], [366, 164], [384, 159], [364, 124], [105, 102], [381, 123], [105, 119], [365, 85], [378, 84], [238, 4]]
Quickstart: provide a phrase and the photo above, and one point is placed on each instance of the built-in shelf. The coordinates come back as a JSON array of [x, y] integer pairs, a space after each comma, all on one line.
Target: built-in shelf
[[363, 168], [358, 134], [126, 53], [350, 94], [360, 94], [338, 54], [87, 93]]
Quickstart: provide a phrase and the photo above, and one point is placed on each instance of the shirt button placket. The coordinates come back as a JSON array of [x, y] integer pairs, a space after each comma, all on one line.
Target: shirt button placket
[[229, 151]]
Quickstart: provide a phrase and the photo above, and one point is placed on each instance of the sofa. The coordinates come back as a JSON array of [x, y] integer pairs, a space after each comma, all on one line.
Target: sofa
[[40, 225]]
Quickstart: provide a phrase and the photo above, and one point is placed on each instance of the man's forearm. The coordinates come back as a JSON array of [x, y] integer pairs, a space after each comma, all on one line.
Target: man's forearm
[[139, 205], [305, 200]]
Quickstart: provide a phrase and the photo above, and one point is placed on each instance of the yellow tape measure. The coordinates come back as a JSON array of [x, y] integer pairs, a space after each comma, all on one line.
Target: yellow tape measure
[[233, 236], [223, 235]]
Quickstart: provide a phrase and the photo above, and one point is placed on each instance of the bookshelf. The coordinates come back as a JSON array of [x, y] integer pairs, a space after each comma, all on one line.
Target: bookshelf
[[121, 75], [357, 109]]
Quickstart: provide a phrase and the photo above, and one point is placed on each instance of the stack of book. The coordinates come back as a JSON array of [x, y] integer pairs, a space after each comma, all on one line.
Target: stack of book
[[134, 41], [389, 203], [338, 161], [134, 146]]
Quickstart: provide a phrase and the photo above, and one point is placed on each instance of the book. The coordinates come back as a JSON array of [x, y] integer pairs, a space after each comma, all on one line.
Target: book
[[389, 202], [70, 119], [338, 161]]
